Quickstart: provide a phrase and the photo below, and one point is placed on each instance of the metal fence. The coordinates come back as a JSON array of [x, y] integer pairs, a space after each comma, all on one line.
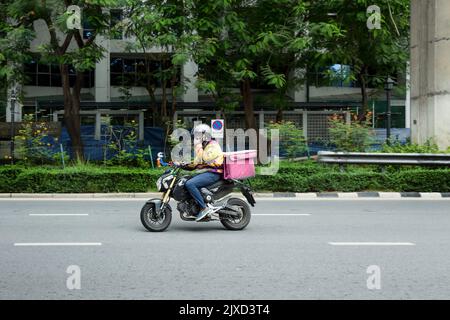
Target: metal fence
[[314, 124]]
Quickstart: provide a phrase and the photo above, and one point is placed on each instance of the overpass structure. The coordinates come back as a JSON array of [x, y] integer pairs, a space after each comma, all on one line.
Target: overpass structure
[[430, 71]]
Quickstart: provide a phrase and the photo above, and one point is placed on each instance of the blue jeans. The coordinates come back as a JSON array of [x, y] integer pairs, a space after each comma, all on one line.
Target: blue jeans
[[201, 180]]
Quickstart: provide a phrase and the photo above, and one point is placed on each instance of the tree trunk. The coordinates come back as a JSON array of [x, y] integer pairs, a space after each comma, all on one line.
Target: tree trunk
[[247, 97], [279, 116], [153, 107], [150, 89], [164, 100], [364, 95], [174, 95], [72, 118]]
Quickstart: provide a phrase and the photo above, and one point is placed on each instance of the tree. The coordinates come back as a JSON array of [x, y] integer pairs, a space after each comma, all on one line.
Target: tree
[[14, 51], [372, 53], [82, 56], [264, 40], [167, 28]]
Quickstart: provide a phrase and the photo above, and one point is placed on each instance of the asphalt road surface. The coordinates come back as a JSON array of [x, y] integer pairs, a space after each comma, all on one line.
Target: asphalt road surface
[[292, 249]]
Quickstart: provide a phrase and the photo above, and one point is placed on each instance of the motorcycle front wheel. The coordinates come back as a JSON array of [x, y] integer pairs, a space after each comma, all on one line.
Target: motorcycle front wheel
[[154, 222], [244, 215]]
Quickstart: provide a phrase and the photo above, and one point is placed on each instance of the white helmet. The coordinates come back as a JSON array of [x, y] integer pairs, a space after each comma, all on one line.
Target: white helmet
[[201, 133]]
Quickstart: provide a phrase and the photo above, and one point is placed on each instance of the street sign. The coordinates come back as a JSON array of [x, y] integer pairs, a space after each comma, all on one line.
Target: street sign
[[217, 127]]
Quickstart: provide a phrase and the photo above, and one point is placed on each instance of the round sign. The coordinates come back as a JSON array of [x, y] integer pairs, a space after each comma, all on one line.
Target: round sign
[[217, 125]]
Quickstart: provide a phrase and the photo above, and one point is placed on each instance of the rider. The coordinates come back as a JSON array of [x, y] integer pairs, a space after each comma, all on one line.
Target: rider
[[209, 156]]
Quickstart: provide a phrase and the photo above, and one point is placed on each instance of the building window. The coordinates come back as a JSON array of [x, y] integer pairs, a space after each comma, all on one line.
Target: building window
[[127, 71], [116, 18], [48, 75], [88, 31]]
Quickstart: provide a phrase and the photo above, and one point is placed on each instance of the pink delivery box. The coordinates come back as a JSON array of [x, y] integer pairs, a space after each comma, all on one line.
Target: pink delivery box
[[239, 165]]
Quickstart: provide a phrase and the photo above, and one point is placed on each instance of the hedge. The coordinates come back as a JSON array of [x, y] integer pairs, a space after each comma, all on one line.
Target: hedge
[[291, 177]]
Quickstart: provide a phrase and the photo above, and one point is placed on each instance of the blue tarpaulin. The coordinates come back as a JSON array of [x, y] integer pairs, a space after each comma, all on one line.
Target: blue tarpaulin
[[95, 149]]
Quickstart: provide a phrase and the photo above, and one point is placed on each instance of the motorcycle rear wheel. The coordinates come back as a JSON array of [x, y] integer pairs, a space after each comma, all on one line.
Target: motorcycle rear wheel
[[232, 223]]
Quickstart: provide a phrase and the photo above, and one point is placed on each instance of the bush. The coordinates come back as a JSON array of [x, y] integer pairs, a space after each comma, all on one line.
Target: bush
[[34, 145], [77, 180], [428, 147], [306, 176], [292, 140], [356, 136]]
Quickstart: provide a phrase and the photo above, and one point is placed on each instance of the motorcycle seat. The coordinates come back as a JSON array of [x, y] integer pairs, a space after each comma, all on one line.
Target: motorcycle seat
[[219, 183]]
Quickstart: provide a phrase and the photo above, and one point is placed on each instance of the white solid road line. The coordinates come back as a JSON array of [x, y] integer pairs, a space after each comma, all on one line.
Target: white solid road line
[[371, 243], [38, 244], [262, 199], [281, 214], [57, 214]]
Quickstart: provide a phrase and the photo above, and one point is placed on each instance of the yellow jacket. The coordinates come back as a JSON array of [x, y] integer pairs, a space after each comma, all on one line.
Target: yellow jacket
[[211, 157]]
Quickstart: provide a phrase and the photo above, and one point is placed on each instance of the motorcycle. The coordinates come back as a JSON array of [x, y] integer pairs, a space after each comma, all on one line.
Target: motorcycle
[[233, 213]]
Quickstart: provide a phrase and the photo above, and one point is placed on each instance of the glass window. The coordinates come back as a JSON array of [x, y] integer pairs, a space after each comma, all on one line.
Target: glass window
[[54, 68], [116, 17], [89, 79], [72, 70], [30, 67], [140, 66], [30, 79], [43, 80], [56, 80], [43, 68], [88, 31], [72, 79], [129, 65], [116, 65], [132, 72], [116, 79]]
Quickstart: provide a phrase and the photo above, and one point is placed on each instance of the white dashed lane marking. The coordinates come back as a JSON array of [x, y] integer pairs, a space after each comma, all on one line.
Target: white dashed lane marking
[[57, 214], [48, 244], [371, 243]]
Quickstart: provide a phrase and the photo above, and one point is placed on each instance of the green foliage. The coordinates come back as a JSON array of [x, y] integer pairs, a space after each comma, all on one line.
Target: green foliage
[[385, 50], [292, 139], [305, 176], [310, 176], [34, 145], [14, 45], [355, 136], [428, 147], [124, 145], [83, 55], [264, 41], [77, 179]]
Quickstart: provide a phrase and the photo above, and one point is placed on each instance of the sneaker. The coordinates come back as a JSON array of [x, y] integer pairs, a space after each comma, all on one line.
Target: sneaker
[[203, 214]]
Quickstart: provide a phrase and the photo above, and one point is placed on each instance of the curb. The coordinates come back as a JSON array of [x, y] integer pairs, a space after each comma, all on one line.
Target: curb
[[278, 195]]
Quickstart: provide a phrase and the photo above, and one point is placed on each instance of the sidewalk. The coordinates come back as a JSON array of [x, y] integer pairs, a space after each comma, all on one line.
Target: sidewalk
[[278, 195]]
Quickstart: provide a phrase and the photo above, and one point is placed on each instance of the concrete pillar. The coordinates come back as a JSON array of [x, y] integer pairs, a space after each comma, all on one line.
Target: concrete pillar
[[298, 93], [175, 118], [430, 71], [408, 98], [261, 119], [102, 73], [17, 112], [141, 126], [305, 123], [189, 79], [98, 125]]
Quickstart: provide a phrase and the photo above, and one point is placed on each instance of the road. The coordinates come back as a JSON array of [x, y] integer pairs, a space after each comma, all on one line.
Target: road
[[292, 249]]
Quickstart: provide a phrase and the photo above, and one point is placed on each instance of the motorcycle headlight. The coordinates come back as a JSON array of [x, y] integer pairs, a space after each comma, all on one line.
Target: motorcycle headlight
[[159, 184], [166, 181]]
